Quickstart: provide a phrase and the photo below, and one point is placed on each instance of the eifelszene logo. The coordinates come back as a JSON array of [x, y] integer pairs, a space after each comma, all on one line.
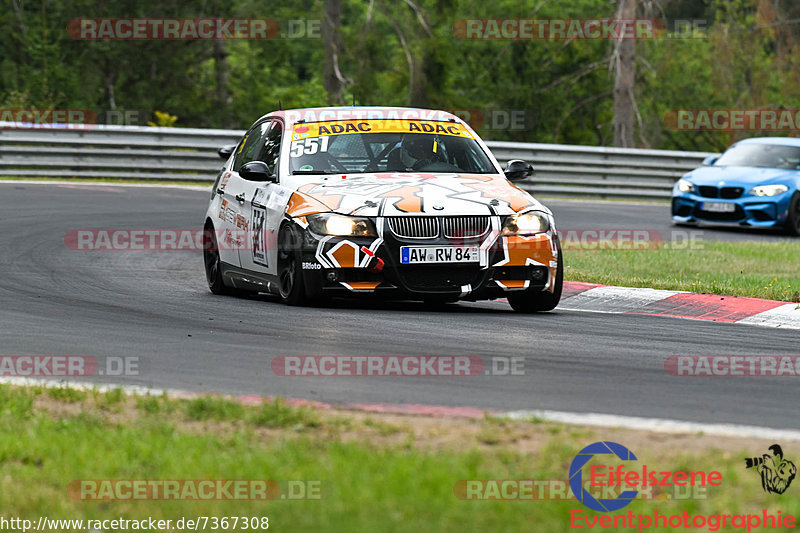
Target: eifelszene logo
[[576, 476], [776, 472], [641, 477]]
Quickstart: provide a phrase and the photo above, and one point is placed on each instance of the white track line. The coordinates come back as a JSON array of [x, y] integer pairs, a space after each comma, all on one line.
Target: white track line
[[608, 299], [659, 425], [785, 316]]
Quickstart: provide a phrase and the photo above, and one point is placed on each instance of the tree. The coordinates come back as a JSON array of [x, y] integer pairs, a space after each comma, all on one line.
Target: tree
[[332, 78], [623, 64]]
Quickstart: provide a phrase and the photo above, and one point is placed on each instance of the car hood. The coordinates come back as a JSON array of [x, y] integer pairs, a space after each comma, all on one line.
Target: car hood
[[398, 194], [733, 176]]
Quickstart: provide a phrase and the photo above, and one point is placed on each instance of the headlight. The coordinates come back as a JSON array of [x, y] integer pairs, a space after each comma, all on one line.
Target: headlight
[[685, 186], [526, 224], [341, 225], [768, 190]]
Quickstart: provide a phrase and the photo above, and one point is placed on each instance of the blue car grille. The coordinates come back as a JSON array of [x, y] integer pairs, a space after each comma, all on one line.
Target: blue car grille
[[707, 191]]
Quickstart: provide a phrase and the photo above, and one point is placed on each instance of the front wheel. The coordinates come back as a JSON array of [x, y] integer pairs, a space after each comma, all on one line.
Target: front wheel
[[532, 301], [792, 226], [292, 288], [213, 264]]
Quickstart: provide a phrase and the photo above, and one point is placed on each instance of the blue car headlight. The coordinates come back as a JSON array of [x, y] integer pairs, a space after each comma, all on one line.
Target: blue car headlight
[[768, 190], [685, 185]]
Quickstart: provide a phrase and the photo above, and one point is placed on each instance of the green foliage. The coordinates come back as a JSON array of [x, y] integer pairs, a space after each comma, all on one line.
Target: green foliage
[[163, 120], [743, 56]]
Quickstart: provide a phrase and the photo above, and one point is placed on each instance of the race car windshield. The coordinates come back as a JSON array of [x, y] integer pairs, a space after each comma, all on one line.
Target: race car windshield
[[761, 155], [385, 146]]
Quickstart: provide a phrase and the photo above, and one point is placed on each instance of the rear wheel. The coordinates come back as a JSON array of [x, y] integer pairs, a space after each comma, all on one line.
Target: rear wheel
[[292, 288], [792, 226], [532, 301]]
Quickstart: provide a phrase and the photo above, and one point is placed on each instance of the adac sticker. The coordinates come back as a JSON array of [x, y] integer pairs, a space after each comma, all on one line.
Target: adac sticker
[[344, 127]]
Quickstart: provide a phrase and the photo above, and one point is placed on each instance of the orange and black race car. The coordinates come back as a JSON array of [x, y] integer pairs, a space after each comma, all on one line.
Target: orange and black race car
[[394, 202]]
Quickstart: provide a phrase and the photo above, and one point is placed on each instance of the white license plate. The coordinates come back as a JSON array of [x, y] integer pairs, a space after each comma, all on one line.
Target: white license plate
[[718, 207], [410, 255]]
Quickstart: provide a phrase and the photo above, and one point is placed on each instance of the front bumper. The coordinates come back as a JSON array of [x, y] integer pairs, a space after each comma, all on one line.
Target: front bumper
[[372, 266], [755, 211]]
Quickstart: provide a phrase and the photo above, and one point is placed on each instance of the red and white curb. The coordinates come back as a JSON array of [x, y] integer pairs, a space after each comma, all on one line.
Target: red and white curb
[[600, 420], [642, 301]]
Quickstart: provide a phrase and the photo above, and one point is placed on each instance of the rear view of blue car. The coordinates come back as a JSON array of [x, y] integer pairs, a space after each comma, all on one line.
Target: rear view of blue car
[[755, 183]]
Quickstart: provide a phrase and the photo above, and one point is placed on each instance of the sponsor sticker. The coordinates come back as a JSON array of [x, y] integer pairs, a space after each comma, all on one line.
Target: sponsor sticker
[[343, 127]]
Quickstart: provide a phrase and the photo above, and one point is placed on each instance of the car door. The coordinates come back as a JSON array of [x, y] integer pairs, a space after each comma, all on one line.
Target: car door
[[265, 208], [234, 192]]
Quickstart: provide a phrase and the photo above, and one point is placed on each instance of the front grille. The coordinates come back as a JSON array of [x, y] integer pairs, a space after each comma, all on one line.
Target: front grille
[[459, 227], [731, 192], [465, 227], [708, 192], [414, 227]]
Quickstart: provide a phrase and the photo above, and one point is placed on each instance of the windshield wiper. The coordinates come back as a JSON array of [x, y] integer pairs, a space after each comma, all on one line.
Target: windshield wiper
[[306, 172]]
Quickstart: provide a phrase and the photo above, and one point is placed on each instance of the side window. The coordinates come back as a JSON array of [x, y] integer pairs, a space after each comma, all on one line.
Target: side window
[[272, 146], [249, 146]]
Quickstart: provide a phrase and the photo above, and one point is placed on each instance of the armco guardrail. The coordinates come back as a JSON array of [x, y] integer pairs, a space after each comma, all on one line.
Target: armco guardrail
[[571, 170], [128, 152]]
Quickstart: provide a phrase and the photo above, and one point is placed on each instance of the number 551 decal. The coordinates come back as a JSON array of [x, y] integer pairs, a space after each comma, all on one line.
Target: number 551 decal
[[309, 146]]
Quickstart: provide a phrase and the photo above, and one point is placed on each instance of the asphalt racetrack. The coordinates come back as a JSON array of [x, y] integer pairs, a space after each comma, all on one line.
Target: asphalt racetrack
[[155, 305]]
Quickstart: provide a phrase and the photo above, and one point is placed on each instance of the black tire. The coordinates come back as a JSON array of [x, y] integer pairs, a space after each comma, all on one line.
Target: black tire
[[792, 226], [213, 264], [534, 301], [290, 273]]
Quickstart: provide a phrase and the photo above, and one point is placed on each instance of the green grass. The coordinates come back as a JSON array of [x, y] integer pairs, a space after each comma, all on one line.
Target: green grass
[[66, 394], [277, 414], [757, 269], [397, 487]]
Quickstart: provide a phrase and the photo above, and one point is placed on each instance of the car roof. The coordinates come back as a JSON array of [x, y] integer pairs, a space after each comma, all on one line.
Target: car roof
[[319, 114], [787, 141]]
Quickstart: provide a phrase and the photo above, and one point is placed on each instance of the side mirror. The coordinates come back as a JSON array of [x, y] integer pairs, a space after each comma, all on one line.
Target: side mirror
[[518, 170], [256, 171], [226, 151], [710, 160]]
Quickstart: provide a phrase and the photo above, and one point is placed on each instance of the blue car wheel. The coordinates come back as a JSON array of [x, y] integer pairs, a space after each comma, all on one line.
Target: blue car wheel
[[793, 220]]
